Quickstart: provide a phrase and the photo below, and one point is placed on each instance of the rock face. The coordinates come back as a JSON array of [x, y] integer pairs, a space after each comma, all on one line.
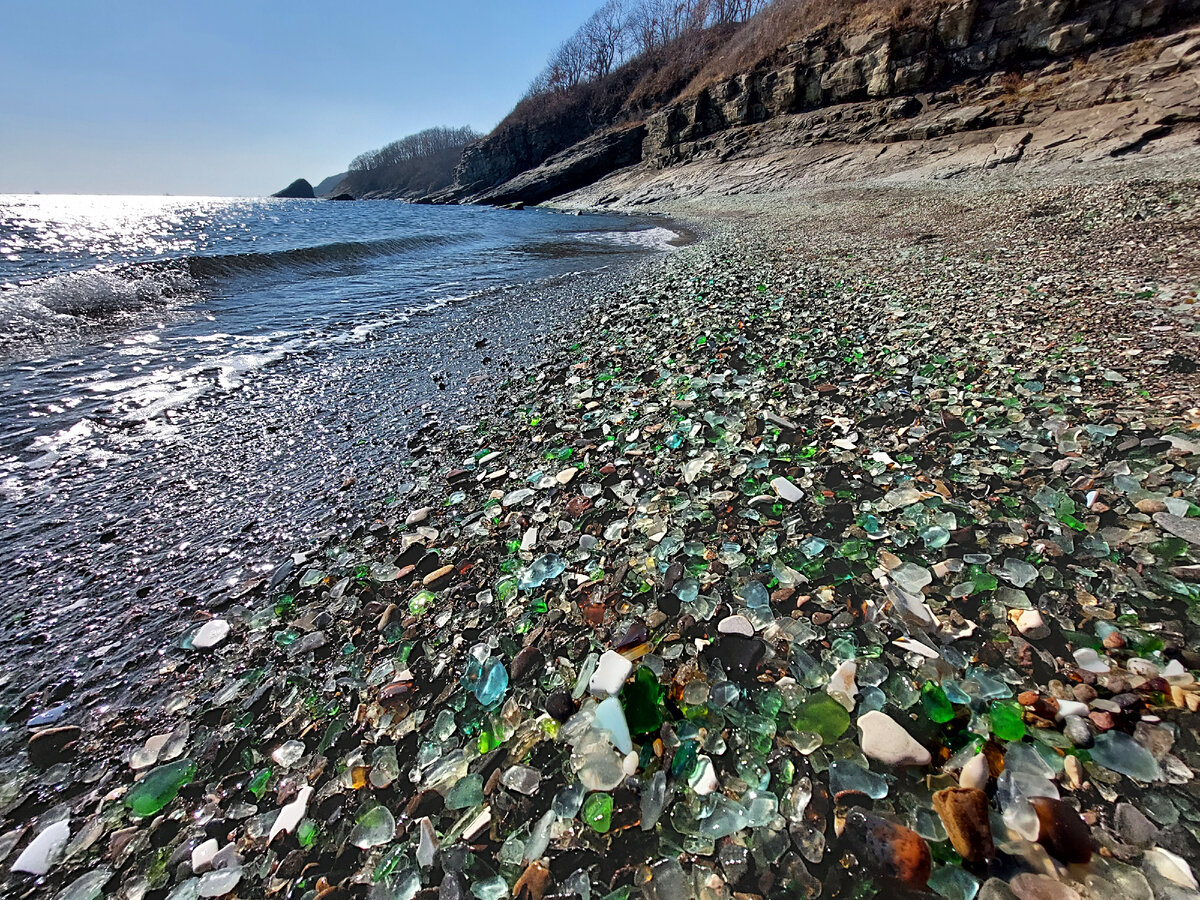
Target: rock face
[[585, 163], [981, 84], [299, 189], [964, 39]]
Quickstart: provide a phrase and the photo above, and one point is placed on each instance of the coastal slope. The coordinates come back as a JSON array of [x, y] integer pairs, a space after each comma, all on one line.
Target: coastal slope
[[960, 86]]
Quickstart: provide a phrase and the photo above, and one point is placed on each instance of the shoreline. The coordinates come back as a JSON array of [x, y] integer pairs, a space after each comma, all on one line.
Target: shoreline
[[775, 452]]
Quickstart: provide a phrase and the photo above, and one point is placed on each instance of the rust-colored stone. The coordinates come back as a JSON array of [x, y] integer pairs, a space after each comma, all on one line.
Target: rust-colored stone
[[889, 849], [533, 883], [964, 812]]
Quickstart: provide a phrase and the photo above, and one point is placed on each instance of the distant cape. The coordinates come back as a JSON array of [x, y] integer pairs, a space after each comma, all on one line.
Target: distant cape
[[299, 189]]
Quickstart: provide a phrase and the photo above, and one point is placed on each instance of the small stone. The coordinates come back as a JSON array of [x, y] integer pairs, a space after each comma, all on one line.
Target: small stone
[[1077, 731], [44, 850], [1168, 867], [1132, 826], [883, 739], [975, 773], [888, 849], [736, 625], [964, 812], [611, 672], [437, 575], [1028, 886], [535, 880], [1102, 719], [211, 633], [1061, 831], [1188, 529], [560, 705], [417, 516], [1084, 693], [202, 856], [995, 889], [53, 745], [1031, 625]]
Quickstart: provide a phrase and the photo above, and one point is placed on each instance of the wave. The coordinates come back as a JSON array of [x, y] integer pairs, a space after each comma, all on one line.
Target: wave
[[41, 311], [232, 264], [38, 312]]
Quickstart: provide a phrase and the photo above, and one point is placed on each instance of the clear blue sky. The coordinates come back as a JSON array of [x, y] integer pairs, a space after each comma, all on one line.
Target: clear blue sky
[[239, 98]]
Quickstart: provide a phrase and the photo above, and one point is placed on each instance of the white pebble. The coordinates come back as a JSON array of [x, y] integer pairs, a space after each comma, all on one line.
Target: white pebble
[[736, 625], [611, 672]]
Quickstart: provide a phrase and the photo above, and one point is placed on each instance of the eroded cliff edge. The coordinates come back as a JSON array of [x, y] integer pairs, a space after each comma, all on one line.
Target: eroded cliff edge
[[970, 85]]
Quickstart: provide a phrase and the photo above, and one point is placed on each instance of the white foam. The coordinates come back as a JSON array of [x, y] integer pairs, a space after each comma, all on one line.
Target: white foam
[[657, 238]]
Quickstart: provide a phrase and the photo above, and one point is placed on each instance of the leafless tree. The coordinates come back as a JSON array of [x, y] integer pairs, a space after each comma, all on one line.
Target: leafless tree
[[620, 29], [430, 142], [605, 36]]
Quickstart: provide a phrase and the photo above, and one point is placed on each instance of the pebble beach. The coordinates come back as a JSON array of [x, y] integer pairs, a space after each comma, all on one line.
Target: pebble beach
[[851, 551]]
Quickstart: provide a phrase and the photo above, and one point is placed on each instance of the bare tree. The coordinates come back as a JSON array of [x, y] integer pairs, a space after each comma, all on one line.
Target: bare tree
[[621, 28], [430, 142], [605, 35]]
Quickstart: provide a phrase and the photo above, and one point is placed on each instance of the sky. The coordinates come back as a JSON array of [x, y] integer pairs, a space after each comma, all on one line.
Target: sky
[[221, 98]]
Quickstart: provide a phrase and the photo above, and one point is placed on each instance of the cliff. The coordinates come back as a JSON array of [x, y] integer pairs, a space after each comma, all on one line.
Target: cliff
[[988, 82]]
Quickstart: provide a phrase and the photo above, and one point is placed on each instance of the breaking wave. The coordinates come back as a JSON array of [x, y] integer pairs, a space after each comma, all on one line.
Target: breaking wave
[[40, 311]]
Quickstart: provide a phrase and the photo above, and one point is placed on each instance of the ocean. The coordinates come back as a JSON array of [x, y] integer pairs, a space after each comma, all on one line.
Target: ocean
[[195, 389]]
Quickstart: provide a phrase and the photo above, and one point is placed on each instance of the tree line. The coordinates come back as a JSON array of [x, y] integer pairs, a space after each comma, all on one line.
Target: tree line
[[428, 143], [624, 29]]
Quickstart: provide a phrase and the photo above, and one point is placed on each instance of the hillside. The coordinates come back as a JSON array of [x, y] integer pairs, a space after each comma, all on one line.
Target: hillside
[[816, 88]]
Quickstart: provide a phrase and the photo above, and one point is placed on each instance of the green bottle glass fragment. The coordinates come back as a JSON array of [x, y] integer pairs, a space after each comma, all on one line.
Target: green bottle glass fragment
[[641, 701], [306, 833], [258, 784], [684, 760], [822, 715], [597, 812], [1007, 721], [159, 787], [937, 705]]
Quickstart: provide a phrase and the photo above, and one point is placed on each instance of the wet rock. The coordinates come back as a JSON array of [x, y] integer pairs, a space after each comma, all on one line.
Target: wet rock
[[1061, 830], [888, 849], [53, 745], [964, 812], [882, 738]]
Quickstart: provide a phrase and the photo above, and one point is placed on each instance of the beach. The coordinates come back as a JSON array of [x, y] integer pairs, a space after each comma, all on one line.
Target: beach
[[875, 492]]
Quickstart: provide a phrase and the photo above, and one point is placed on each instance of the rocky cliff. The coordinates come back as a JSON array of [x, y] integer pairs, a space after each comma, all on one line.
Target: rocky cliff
[[965, 39], [1116, 74]]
